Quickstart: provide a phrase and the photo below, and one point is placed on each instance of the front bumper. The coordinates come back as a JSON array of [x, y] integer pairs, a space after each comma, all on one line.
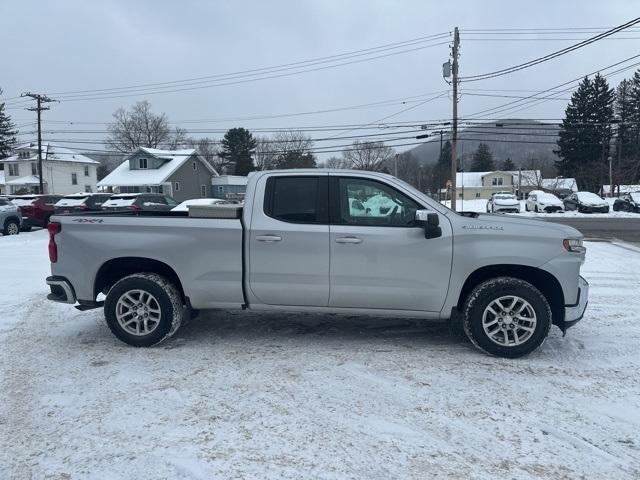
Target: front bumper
[[506, 208], [553, 209], [595, 209], [574, 313], [61, 290]]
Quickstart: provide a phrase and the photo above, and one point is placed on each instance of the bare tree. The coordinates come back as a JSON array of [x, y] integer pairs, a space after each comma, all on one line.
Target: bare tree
[[263, 156], [336, 162], [178, 138], [140, 127], [209, 151], [291, 149], [372, 156]]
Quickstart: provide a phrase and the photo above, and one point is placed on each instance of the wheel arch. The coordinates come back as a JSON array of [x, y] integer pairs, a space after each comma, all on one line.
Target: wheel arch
[[11, 217], [117, 268], [544, 281]]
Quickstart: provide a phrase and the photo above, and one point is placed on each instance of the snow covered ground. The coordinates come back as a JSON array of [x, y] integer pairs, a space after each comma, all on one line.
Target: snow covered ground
[[309, 396], [480, 205]]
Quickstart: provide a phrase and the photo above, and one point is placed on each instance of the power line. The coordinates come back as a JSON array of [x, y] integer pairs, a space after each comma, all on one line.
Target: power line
[[550, 56]]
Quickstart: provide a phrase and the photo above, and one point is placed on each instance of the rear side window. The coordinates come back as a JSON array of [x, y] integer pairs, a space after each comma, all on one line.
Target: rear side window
[[297, 199]]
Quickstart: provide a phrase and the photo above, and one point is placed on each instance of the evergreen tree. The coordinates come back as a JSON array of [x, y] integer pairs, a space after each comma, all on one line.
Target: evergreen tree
[[7, 132], [624, 148], [482, 159], [238, 146], [507, 165], [295, 159], [442, 171], [585, 134], [633, 167]]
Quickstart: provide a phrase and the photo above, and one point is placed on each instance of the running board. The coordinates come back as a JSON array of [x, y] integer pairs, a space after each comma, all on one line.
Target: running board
[[84, 306]]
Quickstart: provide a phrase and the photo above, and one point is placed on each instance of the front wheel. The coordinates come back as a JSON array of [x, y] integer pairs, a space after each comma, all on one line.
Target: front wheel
[[143, 309], [11, 227], [506, 317]]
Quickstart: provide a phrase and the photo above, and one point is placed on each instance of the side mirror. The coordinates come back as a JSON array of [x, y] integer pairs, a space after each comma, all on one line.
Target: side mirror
[[430, 221]]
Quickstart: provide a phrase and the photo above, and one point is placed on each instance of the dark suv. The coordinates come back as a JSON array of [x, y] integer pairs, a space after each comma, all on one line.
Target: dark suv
[[35, 209], [81, 202], [139, 201]]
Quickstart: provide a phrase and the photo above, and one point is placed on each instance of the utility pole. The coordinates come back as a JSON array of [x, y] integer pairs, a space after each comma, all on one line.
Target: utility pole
[[395, 166], [454, 134], [40, 99]]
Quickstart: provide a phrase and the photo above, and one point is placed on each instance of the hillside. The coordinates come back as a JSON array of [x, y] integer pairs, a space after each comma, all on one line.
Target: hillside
[[505, 141]]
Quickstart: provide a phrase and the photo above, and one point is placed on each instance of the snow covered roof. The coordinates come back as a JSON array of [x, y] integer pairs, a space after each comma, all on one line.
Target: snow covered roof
[[229, 180], [623, 189], [28, 180], [560, 183], [474, 179], [50, 152], [123, 175]]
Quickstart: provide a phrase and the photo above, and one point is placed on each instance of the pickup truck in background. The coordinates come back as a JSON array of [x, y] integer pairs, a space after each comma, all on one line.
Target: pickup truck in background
[[339, 241]]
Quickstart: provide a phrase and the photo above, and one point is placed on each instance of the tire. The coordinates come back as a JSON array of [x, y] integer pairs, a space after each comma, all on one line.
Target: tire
[[526, 207], [162, 303], [501, 340], [11, 227], [535, 208]]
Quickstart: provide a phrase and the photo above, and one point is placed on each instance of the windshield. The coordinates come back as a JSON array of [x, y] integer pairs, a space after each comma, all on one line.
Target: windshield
[[589, 197], [71, 201], [635, 196], [22, 201], [547, 198], [504, 197]]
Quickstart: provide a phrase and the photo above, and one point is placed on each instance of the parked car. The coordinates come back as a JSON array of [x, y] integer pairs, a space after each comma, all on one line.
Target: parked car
[[139, 202], [503, 202], [10, 217], [299, 245], [36, 209], [81, 202], [627, 202], [586, 202], [539, 201], [184, 206]]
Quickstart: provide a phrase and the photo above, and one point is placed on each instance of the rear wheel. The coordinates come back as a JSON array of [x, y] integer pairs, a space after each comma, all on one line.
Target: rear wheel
[[144, 309], [506, 317], [11, 227]]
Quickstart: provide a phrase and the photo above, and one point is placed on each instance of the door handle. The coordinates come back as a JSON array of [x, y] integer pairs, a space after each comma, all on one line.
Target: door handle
[[268, 238], [348, 240]]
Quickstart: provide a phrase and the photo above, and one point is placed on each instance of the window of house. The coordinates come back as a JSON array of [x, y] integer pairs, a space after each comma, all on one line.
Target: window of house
[[203, 190], [34, 168], [13, 170], [195, 166], [369, 203], [86, 170], [87, 188], [176, 186], [74, 179], [142, 163], [295, 200], [220, 189], [477, 194], [460, 195], [496, 181]]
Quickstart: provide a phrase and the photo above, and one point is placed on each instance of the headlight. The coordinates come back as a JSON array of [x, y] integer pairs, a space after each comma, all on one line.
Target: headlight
[[573, 245]]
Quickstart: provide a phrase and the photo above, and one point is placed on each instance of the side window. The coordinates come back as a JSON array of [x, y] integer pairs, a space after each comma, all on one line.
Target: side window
[[370, 203], [170, 201], [296, 199]]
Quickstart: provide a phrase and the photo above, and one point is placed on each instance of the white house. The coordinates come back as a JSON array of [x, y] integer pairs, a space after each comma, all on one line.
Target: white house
[[619, 189], [182, 174], [230, 187], [470, 185], [64, 171]]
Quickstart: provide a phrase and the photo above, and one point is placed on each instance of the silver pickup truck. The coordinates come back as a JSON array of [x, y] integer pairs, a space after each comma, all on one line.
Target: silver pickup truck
[[334, 241]]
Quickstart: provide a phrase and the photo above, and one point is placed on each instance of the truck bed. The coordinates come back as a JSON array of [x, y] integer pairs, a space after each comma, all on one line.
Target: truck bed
[[204, 253]]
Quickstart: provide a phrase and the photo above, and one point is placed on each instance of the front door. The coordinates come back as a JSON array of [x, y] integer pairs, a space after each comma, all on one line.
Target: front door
[[288, 242], [379, 257]]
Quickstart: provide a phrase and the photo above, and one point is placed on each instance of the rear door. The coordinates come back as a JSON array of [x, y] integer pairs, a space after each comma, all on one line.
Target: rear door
[[380, 258], [288, 244]]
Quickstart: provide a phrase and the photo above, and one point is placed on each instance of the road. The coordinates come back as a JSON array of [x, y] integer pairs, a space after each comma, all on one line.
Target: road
[[627, 229]]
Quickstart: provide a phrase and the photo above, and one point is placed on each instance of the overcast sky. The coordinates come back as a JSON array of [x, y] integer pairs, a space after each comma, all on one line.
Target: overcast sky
[[67, 46]]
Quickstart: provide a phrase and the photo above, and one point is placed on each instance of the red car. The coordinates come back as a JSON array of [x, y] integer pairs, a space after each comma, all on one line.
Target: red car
[[35, 209]]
